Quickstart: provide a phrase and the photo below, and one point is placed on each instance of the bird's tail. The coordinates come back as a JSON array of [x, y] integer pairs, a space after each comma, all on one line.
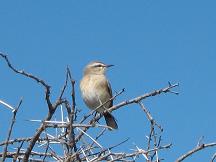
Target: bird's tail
[[110, 120]]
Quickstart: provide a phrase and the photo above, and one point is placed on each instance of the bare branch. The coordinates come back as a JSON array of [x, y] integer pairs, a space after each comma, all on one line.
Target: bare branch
[[72, 116], [10, 130], [64, 87], [18, 140], [23, 72], [142, 97], [28, 75], [194, 150], [18, 151], [33, 153]]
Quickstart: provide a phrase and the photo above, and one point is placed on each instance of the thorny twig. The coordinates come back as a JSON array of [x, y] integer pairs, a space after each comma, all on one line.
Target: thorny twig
[[18, 151], [10, 130], [156, 139], [194, 150], [72, 116], [144, 96]]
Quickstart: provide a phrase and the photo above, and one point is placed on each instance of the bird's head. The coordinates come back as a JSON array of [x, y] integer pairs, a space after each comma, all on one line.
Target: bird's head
[[96, 67]]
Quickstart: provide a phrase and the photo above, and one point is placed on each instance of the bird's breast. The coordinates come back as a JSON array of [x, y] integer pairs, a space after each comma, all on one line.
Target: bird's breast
[[94, 93]]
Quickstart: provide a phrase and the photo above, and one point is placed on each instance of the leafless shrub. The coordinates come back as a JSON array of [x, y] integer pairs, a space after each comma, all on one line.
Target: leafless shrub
[[73, 137]]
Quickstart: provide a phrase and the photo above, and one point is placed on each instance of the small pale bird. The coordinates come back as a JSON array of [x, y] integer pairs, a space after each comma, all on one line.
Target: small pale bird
[[96, 90]]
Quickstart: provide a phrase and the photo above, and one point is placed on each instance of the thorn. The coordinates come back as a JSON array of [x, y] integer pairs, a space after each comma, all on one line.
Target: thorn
[[177, 93]]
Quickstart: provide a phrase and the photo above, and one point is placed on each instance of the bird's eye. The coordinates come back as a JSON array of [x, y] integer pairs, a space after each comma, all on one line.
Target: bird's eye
[[99, 65]]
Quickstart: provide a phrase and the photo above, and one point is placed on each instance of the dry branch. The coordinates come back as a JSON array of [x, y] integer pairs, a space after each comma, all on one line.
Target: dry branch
[[10, 129], [144, 96], [194, 150]]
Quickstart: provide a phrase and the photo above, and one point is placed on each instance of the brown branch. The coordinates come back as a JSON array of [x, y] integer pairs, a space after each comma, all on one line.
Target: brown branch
[[41, 129], [10, 130], [152, 133], [20, 140], [28, 75], [23, 72], [33, 153], [98, 136], [90, 146], [35, 138], [196, 149], [18, 151], [72, 116], [47, 147], [142, 97], [64, 87], [54, 155], [73, 90], [123, 156]]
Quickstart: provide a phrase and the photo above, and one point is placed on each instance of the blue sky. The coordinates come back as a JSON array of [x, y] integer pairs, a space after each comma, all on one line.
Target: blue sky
[[149, 42]]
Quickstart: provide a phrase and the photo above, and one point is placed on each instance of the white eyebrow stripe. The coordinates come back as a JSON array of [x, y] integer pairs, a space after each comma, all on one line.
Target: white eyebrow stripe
[[97, 64]]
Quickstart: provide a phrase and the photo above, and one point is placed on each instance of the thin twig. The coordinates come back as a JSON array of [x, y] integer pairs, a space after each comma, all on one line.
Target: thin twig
[[28, 75], [10, 130], [21, 153], [18, 150], [72, 115], [47, 147], [194, 150], [144, 96], [64, 86], [18, 140]]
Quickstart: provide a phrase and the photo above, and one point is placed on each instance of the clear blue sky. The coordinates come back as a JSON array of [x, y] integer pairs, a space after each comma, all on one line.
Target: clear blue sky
[[151, 42]]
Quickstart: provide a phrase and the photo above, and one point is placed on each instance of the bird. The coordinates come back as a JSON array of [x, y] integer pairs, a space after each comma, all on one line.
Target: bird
[[96, 91]]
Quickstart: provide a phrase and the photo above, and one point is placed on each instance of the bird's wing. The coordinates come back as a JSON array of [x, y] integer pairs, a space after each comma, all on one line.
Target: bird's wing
[[109, 89]]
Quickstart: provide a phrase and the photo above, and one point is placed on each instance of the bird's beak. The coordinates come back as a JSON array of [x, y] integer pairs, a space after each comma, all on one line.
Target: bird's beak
[[109, 65]]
